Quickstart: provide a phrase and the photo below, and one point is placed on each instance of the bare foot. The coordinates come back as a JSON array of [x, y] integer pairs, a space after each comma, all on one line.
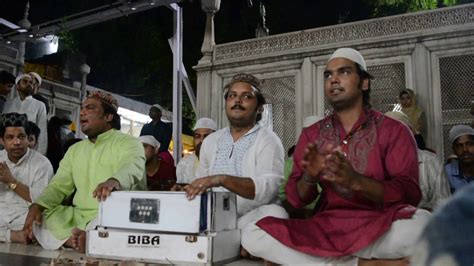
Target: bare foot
[[245, 254], [383, 262], [78, 240], [19, 236], [68, 243]]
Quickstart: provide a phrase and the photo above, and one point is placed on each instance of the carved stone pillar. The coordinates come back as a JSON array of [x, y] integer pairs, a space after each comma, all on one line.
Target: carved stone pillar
[[210, 7], [25, 24], [85, 70]]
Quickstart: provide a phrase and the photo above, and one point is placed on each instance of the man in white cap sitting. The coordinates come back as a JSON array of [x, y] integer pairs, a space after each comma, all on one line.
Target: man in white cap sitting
[[186, 168], [36, 84], [460, 172], [24, 103], [160, 173], [433, 182], [367, 167]]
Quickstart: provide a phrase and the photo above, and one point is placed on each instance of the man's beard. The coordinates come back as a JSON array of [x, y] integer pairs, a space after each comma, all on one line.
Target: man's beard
[[197, 149]]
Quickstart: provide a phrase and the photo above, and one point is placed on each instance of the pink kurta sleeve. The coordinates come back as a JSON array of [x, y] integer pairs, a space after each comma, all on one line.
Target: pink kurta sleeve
[[292, 196], [401, 165]]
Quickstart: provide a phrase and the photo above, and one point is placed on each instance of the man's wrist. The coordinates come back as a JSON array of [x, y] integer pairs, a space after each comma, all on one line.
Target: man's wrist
[[113, 179], [309, 179], [12, 185], [356, 184], [219, 180], [40, 207]]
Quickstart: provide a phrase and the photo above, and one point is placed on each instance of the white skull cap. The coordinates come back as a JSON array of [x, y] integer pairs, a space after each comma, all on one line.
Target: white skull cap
[[350, 54], [458, 131], [36, 76], [150, 140], [399, 116], [22, 76], [309, 120], [205, 122]]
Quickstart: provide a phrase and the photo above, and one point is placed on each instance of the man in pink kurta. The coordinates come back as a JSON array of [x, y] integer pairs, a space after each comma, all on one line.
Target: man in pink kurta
[[366, 164]]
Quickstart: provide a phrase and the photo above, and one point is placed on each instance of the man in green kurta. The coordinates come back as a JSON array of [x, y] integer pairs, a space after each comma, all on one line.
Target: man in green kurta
[[108, 160]]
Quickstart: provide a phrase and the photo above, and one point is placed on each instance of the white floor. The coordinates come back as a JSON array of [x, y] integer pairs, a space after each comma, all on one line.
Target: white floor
[[43, 256]]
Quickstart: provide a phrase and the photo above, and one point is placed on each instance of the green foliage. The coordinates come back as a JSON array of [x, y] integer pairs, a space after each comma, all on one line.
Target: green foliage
[[66, 38], [391, 7]]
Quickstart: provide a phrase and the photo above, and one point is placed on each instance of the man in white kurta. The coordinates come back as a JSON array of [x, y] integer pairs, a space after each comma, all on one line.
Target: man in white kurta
[[258, 155], [434, 184], [24, 103], [19, 166], [244, 158], [186, 168]]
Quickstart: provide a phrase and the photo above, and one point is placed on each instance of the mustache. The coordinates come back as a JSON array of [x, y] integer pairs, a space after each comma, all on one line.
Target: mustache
[[237, 106]]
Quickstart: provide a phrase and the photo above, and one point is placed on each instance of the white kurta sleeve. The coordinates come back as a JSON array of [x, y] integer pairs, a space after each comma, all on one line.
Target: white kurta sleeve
[[42, 123], [433, 183], [269, 166], [186, 169], [40, 177], [205, 156]]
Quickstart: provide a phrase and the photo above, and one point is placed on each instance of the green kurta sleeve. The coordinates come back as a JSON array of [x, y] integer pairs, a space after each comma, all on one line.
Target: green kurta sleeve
[[60, 187], [132, 158]]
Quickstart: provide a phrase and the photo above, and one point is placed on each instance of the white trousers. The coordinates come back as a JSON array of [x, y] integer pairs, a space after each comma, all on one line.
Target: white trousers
[[396, 243], [7, 224]]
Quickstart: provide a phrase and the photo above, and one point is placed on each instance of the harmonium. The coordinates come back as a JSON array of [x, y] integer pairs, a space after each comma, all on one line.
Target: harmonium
[[166, 227]]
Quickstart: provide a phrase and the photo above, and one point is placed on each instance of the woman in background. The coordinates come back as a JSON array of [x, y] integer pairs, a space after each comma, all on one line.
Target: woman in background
[[415, 114]]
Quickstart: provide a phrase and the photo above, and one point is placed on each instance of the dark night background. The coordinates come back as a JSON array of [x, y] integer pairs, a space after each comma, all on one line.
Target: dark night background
[[130, 55]]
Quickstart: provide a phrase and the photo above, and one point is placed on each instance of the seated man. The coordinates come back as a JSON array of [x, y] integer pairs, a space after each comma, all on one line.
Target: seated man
[[24, 173], [367, 166], [244, 157], [433, 182], [108, 160], [187, 166], [461, 171], [33, 135], [160, 174]]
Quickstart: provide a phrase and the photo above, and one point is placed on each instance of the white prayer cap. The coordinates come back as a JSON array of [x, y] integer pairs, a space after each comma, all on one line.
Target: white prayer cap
[[350, 54], [20, 77], [458, 131], [150, 140], [156, 106], [205, 122], [309, 120], [36, 76], [399, 116]]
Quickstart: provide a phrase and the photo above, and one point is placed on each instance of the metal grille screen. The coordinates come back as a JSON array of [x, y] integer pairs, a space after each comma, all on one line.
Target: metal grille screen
[[280, 93], [388, 81], [457, 83]]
